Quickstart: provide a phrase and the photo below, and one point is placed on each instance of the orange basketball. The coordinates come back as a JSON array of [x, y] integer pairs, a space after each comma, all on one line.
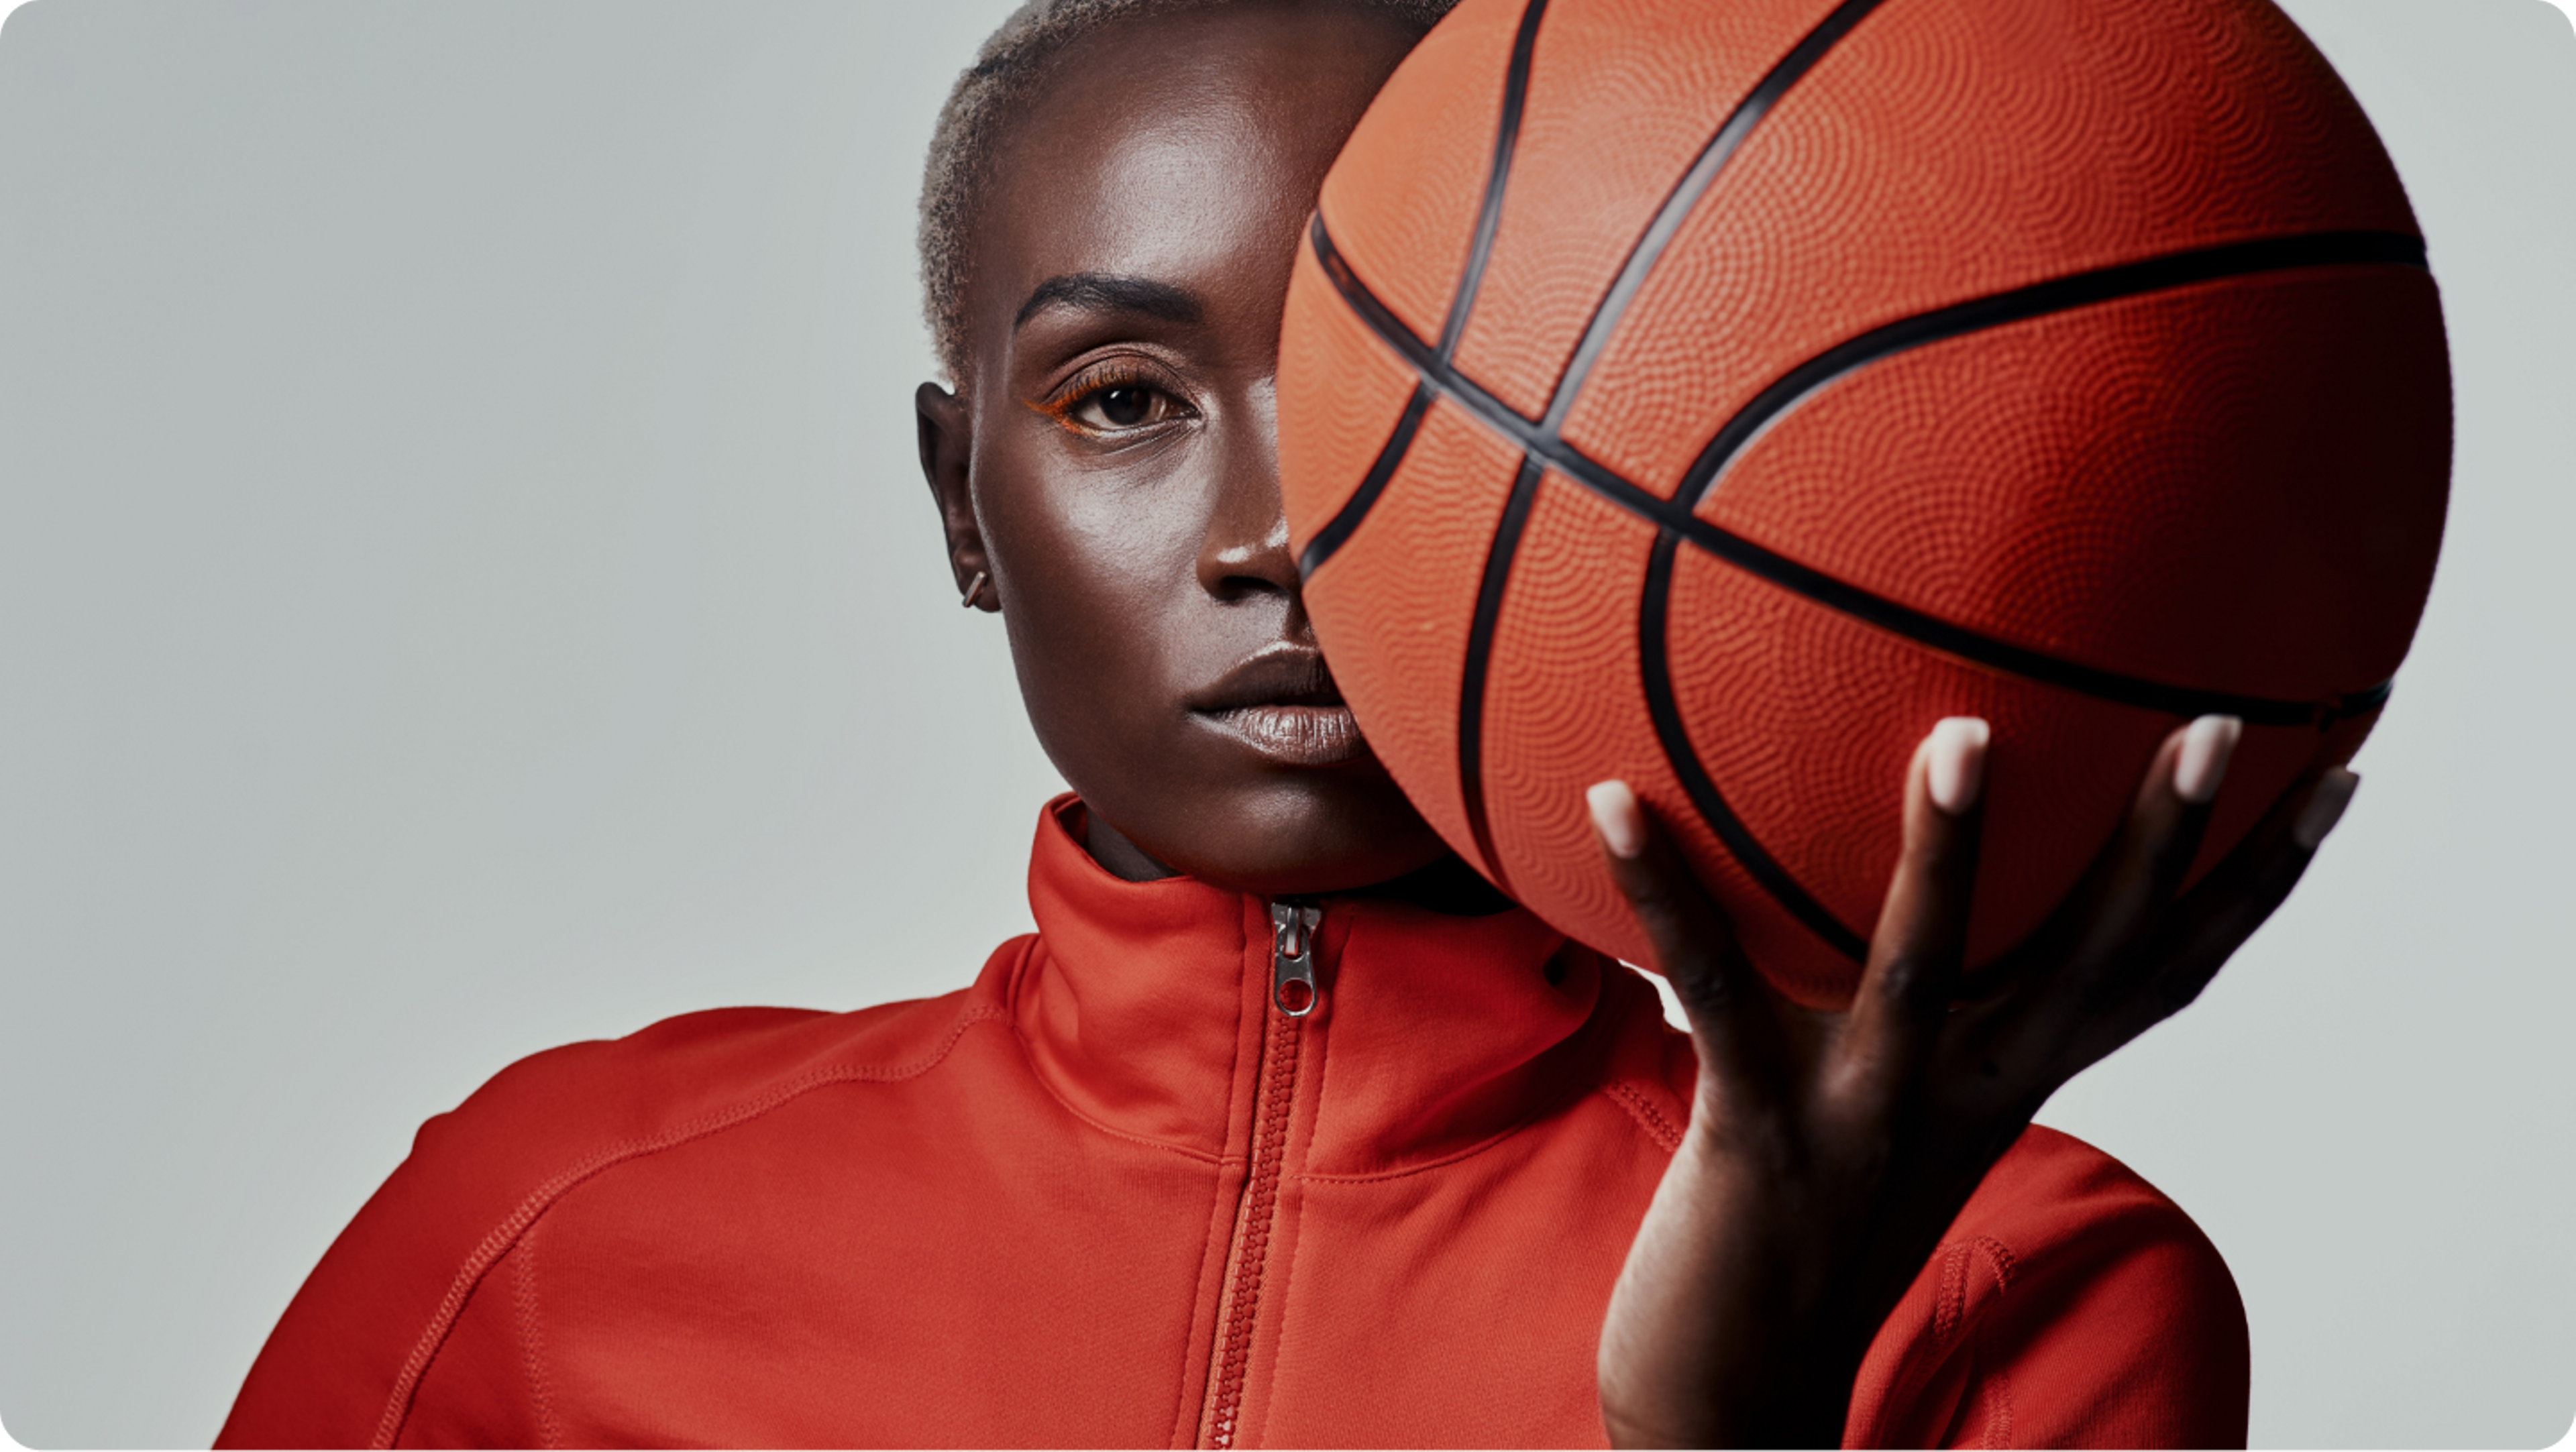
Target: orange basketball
[[1716, 395]]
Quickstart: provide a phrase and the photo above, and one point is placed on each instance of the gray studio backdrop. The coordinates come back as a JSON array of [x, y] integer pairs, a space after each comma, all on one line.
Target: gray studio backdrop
[[464, 587]]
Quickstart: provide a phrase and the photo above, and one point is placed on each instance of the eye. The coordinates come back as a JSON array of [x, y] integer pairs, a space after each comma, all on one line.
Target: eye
[[1124, 406], [1116, 402]]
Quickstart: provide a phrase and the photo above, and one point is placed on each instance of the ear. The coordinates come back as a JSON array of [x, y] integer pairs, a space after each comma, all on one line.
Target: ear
[[945, 455]]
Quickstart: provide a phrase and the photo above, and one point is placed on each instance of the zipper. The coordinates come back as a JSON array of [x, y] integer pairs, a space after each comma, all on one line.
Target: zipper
[[1293, 995], [1292, 957]]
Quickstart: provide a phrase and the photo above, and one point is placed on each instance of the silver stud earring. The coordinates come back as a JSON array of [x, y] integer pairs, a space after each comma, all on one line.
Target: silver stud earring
[[975, 590]]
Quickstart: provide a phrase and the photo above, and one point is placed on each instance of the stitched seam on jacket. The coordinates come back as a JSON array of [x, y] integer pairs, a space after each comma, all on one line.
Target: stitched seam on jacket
[[1954, 1335], [1950, 1307], [1181, 1398], [1562, 1102], [1279, 1317], [1646, 1114], [531, 1348], [1185, 1432], [1999, 1421], [1202, 1156], [1565, 1100], [1320, 1177], [503, 1236], [1999, 1259], [1011, 1002]]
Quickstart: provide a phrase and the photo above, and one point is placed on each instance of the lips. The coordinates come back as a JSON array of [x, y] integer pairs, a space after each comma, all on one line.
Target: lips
[[1283, 704]]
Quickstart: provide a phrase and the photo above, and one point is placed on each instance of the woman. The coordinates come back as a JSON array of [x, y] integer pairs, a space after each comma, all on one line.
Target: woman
[[1284, 1128]]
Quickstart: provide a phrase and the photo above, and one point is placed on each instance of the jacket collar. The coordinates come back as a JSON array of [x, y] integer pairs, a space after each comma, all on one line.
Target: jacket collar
[[1145, 1008]]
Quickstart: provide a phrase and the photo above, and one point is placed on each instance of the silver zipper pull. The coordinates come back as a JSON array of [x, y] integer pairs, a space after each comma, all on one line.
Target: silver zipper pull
[[1292, 957]]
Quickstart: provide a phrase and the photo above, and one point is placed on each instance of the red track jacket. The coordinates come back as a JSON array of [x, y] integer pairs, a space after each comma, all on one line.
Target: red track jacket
[[1114, 1194]]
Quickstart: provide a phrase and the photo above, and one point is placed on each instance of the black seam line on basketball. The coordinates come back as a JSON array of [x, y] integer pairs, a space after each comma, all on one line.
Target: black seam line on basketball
[[1653, 659], [1507, 130], [1834, 594], [1346, 521], [2156, 274], [1676, 210], [1480, 650], [1489, 217]]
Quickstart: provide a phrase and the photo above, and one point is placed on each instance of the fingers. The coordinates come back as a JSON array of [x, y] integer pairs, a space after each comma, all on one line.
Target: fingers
[[2323, 808], [2201, 752], [2103, 923], [2062, 999], [1695, 947], [2225, 908], [1914, 958], [2166, 822]]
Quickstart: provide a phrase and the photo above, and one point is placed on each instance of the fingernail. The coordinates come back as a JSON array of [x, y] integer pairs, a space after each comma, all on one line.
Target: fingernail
[[2325, 807], [2202, 764], [1958, 764], [1616, 816]]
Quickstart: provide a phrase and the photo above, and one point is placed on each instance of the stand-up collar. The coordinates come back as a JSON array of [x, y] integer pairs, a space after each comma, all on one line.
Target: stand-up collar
[[1144, 1007]]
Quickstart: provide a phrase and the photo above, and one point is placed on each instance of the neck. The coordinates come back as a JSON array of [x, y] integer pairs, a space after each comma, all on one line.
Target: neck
[[1447, 885]]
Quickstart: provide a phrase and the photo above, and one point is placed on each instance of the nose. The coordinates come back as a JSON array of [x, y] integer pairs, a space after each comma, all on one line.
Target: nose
[[1245, 552]]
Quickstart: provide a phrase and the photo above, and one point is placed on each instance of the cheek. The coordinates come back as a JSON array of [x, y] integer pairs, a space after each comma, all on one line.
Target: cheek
[[1097, 574]]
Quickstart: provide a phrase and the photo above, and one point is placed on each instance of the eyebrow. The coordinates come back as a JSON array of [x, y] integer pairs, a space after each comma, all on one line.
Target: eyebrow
[[1103, 292]]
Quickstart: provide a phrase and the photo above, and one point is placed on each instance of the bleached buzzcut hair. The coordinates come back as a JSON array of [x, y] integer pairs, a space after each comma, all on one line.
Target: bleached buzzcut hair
[[1013, 63]]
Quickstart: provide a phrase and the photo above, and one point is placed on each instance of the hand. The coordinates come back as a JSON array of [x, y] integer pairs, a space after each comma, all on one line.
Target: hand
[[1828, 1152]]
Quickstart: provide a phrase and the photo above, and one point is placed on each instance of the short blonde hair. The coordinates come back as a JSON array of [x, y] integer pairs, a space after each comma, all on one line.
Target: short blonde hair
[[1007, 72]]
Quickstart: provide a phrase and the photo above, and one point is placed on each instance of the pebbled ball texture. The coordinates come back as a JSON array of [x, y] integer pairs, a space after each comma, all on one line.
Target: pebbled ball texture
[[1715, 396]]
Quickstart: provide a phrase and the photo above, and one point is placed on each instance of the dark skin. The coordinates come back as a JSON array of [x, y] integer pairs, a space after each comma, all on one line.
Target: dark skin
[[1108, 464], [1110, 461], [1828, 1151]]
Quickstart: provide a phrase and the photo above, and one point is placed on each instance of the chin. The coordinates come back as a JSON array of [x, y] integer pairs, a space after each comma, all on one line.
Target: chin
[[1302, 834]]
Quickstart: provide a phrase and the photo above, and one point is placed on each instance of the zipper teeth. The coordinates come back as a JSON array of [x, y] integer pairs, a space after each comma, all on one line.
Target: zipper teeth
[[1269, 1147]]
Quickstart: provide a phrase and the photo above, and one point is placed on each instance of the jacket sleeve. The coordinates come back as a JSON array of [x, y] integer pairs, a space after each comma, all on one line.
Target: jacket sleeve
[[2071, 1306], [407, 1332], [401, 1286]]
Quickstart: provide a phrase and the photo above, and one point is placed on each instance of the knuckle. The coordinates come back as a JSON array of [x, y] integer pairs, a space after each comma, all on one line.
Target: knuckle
[[1914, 981], [1702, 989]]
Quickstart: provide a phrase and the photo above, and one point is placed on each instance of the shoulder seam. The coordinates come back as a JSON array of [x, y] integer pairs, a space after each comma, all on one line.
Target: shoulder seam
[[532, 1343], [1648, 1117], [503, 1236], [1950, 1305]]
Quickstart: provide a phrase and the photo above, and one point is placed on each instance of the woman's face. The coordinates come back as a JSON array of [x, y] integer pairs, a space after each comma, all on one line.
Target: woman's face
[[1111, 459]]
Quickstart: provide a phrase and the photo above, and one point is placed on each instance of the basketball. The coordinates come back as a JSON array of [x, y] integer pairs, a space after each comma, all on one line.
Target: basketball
[[1715, 396]]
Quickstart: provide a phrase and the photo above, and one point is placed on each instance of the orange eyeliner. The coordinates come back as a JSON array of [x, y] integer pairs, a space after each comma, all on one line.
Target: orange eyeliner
[[1098, 378]]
